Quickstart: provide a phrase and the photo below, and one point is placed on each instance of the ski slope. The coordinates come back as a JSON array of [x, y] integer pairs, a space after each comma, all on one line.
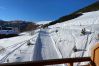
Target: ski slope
[[62, 40], [16, 49], [47, 48], [67, 35]]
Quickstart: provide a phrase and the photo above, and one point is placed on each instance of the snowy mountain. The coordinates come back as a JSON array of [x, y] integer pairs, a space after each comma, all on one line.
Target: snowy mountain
[[89, 8], [73, 38], [43, 22]]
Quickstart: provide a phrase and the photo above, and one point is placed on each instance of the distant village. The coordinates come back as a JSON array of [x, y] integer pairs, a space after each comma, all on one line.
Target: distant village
[[19, 25]]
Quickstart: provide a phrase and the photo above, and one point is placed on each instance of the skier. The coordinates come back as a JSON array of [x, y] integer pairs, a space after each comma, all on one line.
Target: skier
[[83, 31]]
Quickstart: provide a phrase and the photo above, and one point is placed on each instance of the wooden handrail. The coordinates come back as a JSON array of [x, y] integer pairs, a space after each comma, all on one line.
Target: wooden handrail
[[49, 62]]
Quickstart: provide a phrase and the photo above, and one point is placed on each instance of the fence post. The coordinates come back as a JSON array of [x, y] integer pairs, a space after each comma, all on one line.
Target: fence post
[[70, 64], [95, 55]]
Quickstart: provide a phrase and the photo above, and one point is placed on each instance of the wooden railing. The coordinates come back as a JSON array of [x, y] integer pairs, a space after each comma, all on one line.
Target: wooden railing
[[50, 62], [94, 60]]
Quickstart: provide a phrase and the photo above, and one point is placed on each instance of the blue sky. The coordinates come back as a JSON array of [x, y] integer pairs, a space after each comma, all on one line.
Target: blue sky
[[39, 10]]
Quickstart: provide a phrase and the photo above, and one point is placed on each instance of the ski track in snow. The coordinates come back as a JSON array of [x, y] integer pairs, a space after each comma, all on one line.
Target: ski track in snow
[[13, 51], [45, 47]]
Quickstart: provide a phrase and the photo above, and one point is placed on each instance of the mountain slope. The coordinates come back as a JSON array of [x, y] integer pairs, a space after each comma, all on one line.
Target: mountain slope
[[69, 39], [92, 7]]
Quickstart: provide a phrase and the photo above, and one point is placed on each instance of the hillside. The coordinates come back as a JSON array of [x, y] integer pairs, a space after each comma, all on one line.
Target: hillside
[[69, 38], [92, 7]]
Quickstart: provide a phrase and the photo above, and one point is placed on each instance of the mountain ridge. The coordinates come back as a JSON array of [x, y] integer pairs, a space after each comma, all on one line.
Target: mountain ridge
[[89, 8]]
